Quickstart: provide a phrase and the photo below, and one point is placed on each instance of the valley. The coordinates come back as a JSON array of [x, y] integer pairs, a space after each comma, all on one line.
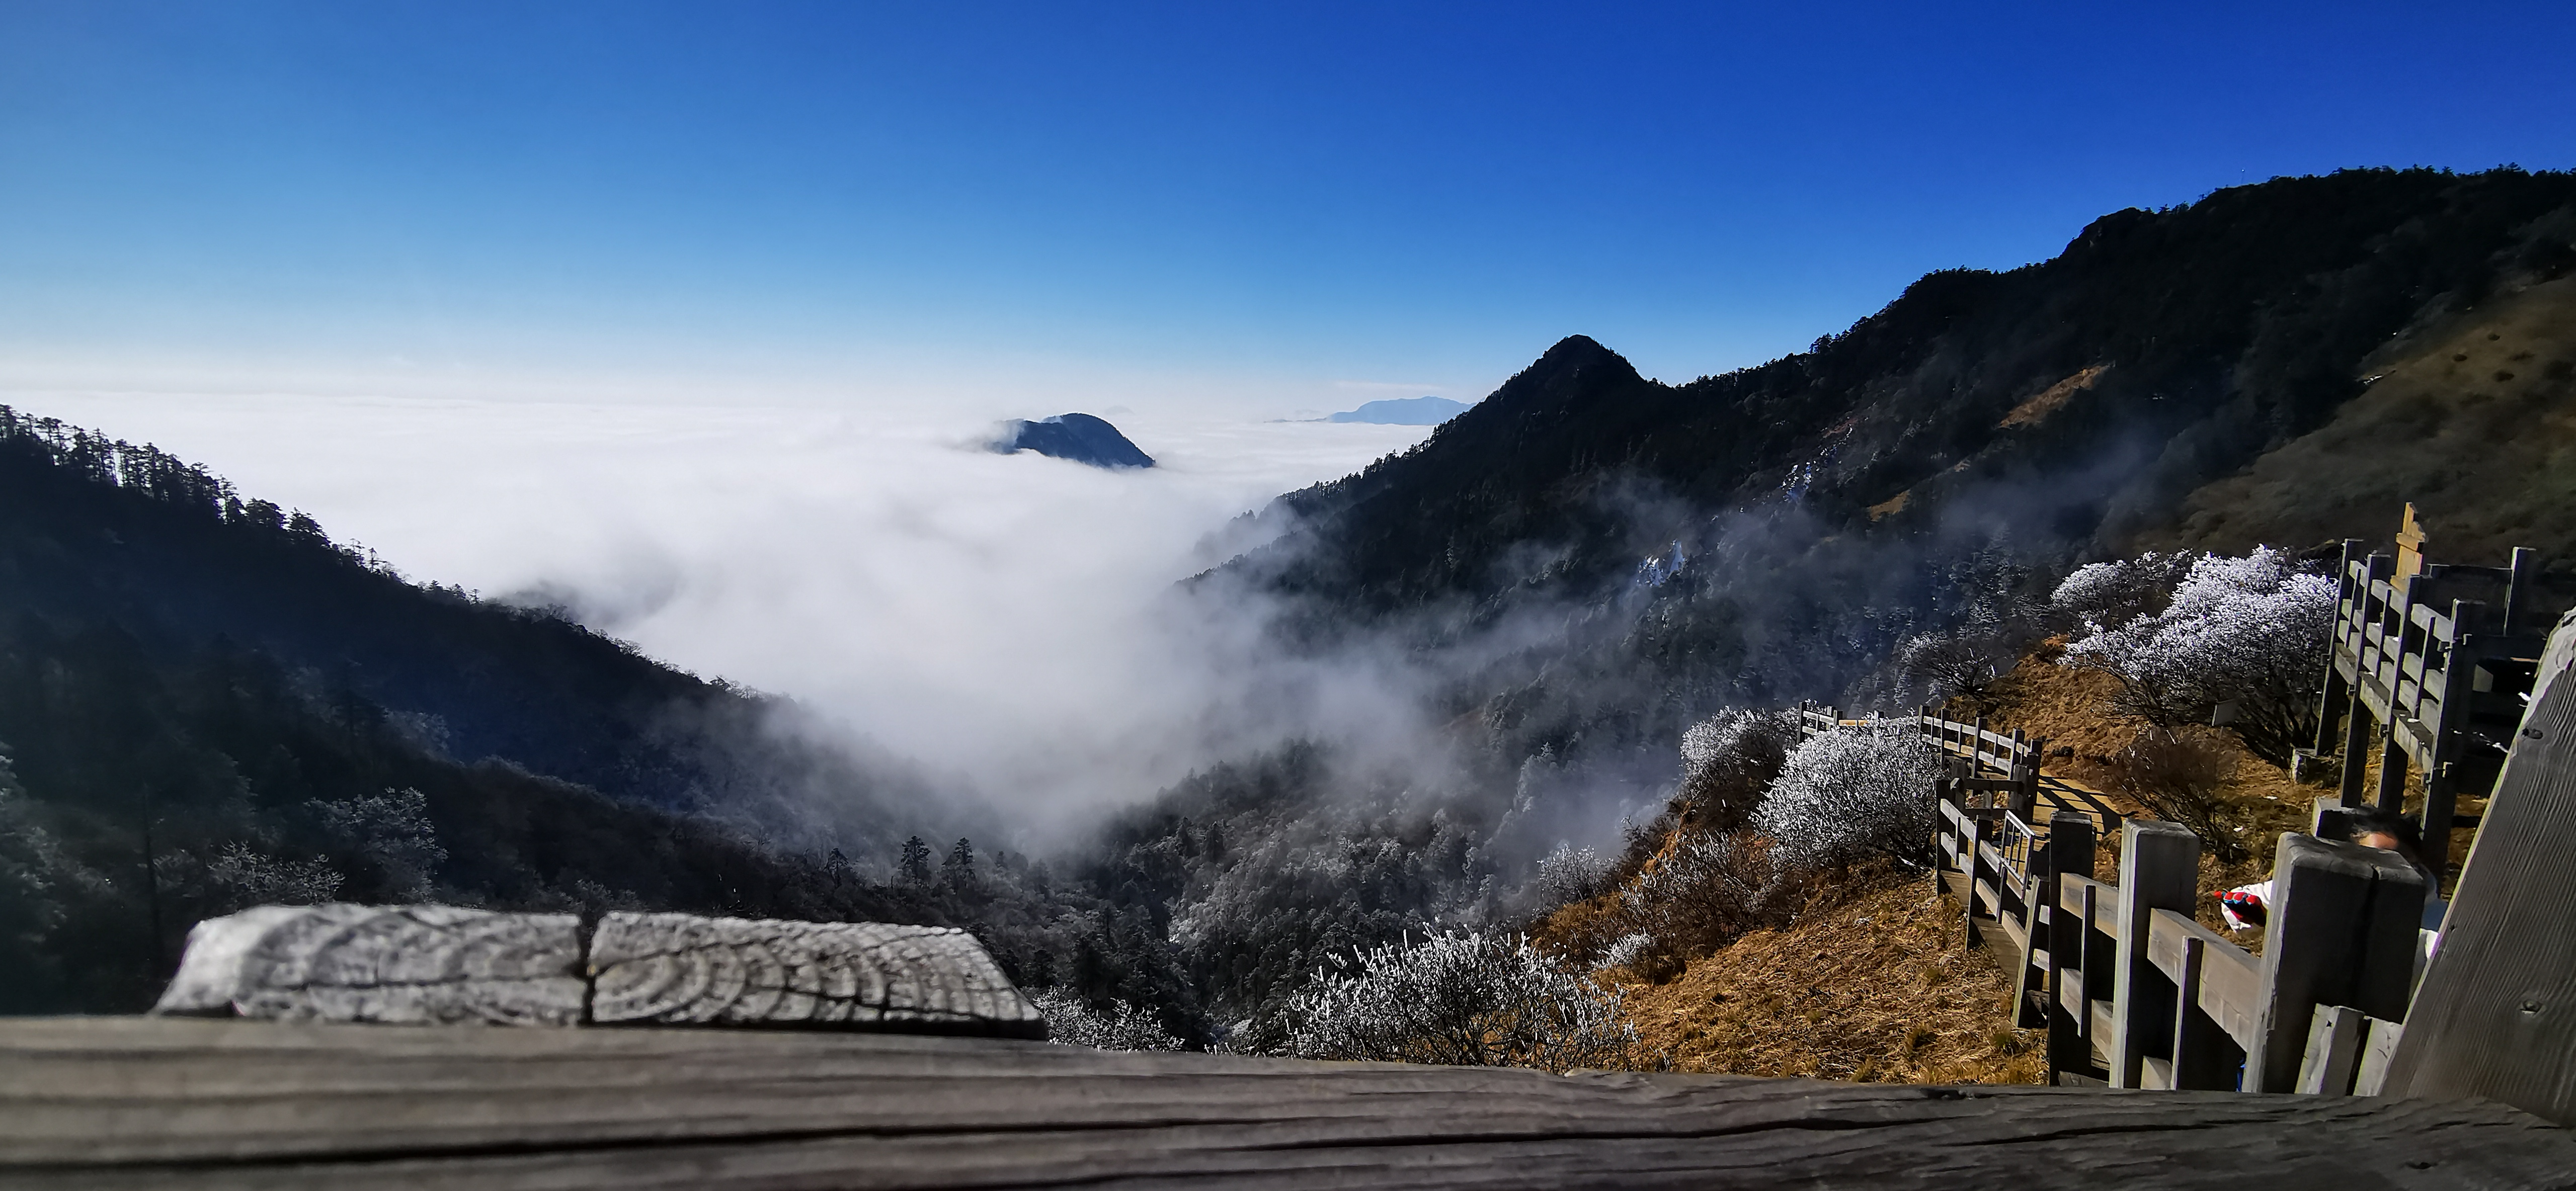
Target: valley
[[1515, 623]]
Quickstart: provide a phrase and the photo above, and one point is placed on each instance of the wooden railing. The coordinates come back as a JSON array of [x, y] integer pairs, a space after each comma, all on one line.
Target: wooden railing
[[2440, 674], [2135, 994], [1987, 767]]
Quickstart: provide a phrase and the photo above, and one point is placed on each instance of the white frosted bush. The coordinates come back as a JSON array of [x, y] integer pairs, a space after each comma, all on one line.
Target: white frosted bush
[[1851, 795], [2111, 593], [1461, 999], [1628, 949], [2250, 631], [1071, 1021], [1571, 874], [1729, 758]]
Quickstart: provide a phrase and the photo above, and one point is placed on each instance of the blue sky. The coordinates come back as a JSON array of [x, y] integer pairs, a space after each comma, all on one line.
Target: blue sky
[[1301, 205]]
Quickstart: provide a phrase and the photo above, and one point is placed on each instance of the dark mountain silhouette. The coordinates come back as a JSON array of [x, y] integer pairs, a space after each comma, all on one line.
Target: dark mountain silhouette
[[1078, 437], [1404, 411], [2072, 404], [1776, 532]]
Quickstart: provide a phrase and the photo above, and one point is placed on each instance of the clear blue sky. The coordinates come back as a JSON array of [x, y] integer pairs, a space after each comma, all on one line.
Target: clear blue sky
[[1231, 202]]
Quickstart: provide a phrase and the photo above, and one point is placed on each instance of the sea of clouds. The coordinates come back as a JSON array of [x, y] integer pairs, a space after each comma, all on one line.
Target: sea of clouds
[[1009, 622]]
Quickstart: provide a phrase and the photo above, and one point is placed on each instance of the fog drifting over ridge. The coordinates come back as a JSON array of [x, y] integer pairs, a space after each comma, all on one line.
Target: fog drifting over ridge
[[1010, 621]]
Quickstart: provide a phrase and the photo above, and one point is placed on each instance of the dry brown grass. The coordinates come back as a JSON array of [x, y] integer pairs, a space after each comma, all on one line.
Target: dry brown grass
[[1872, 979], [2072, 708], [2472, 417], [2051, 399], [1871, 982]]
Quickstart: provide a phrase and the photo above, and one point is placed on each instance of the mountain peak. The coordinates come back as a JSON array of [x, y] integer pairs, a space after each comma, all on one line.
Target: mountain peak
[[1081, 438]]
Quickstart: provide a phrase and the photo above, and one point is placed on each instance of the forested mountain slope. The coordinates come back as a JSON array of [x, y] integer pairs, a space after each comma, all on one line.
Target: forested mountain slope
[[1782, 531], [206, 704], [97, 531], [2471, 417], [2161, 351]]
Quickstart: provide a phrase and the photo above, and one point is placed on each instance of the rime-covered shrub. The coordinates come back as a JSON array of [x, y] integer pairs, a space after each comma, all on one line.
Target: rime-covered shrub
[[1462, 999], [1852, 795], [1728, 759], [1702, 892], [1571, 874], [2113, 593], [1071, 1021], [2250, 632], [1626, 949]]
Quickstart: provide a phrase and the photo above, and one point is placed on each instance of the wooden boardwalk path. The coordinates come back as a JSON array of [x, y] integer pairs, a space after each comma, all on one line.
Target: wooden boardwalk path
[[152, 1103]]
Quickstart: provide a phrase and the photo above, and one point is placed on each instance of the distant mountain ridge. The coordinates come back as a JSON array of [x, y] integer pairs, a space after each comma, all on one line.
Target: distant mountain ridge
[[1081, 438], [1772, 533], [1404, 411]]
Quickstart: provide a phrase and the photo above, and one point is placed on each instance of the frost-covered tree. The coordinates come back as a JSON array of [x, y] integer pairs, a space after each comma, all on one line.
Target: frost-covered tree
[[2247, 631], [1071, 1021], [1984, 615], [1462, 999], [2113, 593], [392, 830], [1852, 795], [914, 864], [1571, 874], [1704, 890], [242, 876], [1728, 760]]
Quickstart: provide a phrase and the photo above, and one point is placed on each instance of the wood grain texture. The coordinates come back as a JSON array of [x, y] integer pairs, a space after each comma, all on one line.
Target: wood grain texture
[[219, 1104], [2342, 931], [681, 969], [397, 964], [2496, 1013]]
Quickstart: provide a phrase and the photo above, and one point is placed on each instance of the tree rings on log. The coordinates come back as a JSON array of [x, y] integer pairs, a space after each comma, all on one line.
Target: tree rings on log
[[402, 964], [442, 964], [683, 969]]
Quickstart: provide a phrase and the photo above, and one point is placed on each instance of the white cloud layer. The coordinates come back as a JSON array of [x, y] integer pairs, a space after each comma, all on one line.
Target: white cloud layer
[[1006, 619]]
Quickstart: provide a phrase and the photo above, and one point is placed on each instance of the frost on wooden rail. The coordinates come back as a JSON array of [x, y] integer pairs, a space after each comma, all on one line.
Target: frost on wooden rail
[[446, 964]]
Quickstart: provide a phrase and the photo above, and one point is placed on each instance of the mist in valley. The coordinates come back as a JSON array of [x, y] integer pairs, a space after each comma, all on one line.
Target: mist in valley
[[1012, 625]]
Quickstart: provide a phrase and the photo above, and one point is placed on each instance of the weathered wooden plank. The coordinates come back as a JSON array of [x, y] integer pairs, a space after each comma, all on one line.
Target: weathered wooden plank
[[2378, 1045], [170, 1103], [2496, 1013], [681, 968], [2342, 931], [2333, 1051], [402, 964], [2159, 870]]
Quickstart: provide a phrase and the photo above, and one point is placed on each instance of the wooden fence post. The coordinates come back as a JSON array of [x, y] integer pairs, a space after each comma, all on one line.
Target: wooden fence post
[[2358, 724], [2470, 620], [2025, 775], [1981, 825], [2496, 1015], [2069, 1024], [2204, 1056], [2341, 933], [2335, 702], [2159, 870], [2069, 850]]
